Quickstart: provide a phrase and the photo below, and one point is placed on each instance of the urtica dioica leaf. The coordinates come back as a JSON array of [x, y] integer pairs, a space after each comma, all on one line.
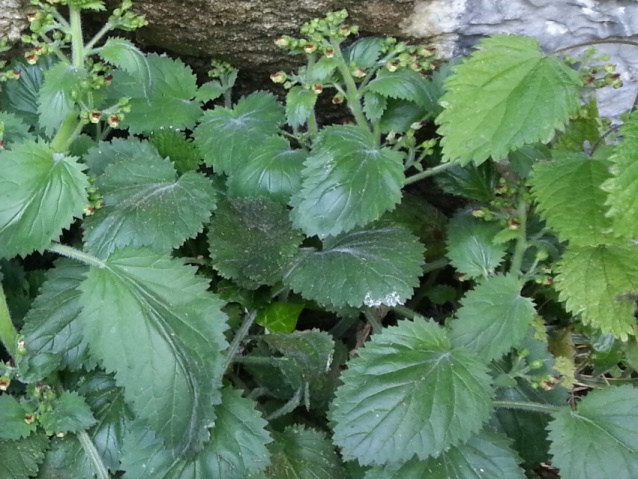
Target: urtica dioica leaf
[[507, 94], [41, 192], [409, 393], [141, 304]]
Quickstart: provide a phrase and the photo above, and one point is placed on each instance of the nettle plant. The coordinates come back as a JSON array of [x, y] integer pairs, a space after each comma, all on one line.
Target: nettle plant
[[221, 264]]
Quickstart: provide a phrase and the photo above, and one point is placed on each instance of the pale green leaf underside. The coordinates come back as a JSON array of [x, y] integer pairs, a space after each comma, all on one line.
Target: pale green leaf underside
[[493, 318], [149, 319], [485, 456], [41, 192], [375, 266], [600, 439], [20, 459], [598, 282], [507, 94], [569, 197], [348, 181], [146, 204], [409, 393]]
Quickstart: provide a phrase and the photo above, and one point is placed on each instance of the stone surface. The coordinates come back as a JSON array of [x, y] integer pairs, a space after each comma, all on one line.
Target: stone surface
[[12, 18]]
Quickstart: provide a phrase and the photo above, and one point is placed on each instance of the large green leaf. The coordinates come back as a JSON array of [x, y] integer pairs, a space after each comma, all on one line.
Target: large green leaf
[[599, 283], [141, 304], [493, 317], [600, 439], [471, 247], [507, 94], [69, 413], [181, 150], [623, 185], [348, 181], [303, 453], [570, 199], [244, 128], [252, 241], [126, 56], [58, 95], [365, 52], [41, 192], [376, 266], [237, 449], [409, 393], [146, 204], [12, 415], [19, 459], [486, 455], [108, 152]]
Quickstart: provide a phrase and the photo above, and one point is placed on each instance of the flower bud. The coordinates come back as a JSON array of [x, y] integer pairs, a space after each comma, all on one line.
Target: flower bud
[[310, 47], [358, 72], [392, 66], [329, 52], [317, 88], [94, 116], [5, 382], [114, 121], [282, 42], [279, 77]]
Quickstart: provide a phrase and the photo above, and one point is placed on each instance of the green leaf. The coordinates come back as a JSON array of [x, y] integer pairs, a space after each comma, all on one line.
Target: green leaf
[[567, 190], [523, 159], [376, 266], [374, 106], [252, 241], [57, 97], [12, 423], [348, 181], [52, 336], [210, 91], [399, 115], [141, 304], [471, 248], [19, 459], [622, 187], [237, 449], [471, 181], [279, 317], [486, 455], [273, 171], [584, 128], [244, 128], [409, 393], [401, 85], [303, 453], [168, 103], [600, 438], [493, 318], [41, 192], [321, 70], [126, 56], [300, 103], [365, 52], [181, 151], [146, 204], [107, 152], [13, 130], [21, 96], [69, 413], [506, 95], [598, 282]]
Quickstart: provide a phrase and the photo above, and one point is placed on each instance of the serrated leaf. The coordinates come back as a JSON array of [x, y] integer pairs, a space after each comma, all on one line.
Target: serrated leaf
[[19, 459], [181, 151], [374, 105], [567, 190], [598, 282], [322, 69], [237, 449], [399, 115], [107, 152], [493, 317], [365, 52], [401, 85], [409, 393], [252, 241], [486, 455], [507, 94], [279, 317], [600, 438], [69, 413], [12, 423], [56, 96], [41, 192], [13, 130], [300, 103], [582, 130], [210, 91], [21, 96], [623, 185], [471, 247], [523, 159], [146, 204], [471, 181], [376, 266], [141, 304], [304, 453], [169, 101], [126, 56], [348, 181], [52, 336], [272, 171], [244, 128]]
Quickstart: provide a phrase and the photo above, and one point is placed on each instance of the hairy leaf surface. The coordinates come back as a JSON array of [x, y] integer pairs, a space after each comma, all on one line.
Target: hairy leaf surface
[[600, 438], [150, 320], [409, 393], [19, 459], [507, 94], [348, 181], [41, 192], [376, 266]]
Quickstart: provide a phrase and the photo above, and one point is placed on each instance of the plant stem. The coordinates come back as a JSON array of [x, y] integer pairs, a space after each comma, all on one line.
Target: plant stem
[[259, 360], [374, 321], [77, 42], [8, 333], [103, 31], [521, 241], [241, 333], [528, 406], [69, 129], [435, 170], [618, 41], [434, 265], [93, 455], [352, 92], [76, 254], [407, 312]]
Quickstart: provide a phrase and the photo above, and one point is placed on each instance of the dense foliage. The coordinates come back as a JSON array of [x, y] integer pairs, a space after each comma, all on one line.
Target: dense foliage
[[442, 285]]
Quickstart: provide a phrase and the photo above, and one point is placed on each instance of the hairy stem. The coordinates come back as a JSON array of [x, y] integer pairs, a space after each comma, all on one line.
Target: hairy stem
[[76, 254], [617, 41], [528, 406], [77, 42], [352, 92], [521, 241], [241, 333], [435, 170], [69, 130], [8, 333]]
